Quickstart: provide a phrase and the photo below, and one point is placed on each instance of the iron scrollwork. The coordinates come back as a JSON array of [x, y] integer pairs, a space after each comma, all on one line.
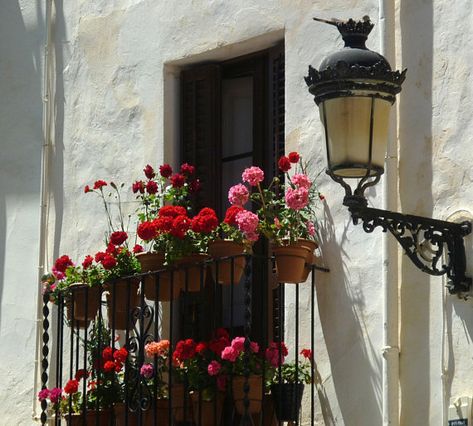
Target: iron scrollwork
[[426, 242]]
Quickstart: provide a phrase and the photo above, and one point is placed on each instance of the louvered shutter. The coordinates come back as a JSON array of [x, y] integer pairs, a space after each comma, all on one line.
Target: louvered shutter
[[200, 127]]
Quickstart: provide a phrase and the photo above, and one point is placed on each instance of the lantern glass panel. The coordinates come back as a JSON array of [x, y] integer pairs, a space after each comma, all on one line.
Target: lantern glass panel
[[348, 134]]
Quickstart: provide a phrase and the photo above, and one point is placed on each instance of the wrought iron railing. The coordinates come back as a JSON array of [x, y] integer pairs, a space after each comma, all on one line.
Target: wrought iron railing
[[98, 369]]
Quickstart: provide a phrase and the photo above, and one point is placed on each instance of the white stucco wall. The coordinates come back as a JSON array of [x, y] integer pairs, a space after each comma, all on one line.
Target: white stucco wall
[[21, 32], [116, 110]]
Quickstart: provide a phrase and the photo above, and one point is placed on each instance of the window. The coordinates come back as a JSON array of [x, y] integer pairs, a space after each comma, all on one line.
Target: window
[[233, 117]]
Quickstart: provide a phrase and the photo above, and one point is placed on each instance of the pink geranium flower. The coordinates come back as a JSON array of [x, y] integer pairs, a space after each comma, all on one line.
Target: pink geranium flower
[[253, 175], [248, 223], [213, 368], [301, 180], [238, 195], [230, 354], [297, 199]]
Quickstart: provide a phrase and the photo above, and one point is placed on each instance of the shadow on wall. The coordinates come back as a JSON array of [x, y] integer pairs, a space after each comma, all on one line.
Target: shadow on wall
[[20, 123], [415, 180], [355, 364]]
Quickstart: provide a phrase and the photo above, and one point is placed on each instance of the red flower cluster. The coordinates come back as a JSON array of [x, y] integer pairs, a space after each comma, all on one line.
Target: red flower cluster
[[62, 263], [165, 170], [138, 186], [205, 221], [72, 386], [220, 342], [307, 353], [87, 263], [284, 162], [119, 237], [230, 215], [81, 374], [187, 169], [149, 172], [178, 180], [106, 259], [113, 360], [185, 349], [99, 184], [147, 231]]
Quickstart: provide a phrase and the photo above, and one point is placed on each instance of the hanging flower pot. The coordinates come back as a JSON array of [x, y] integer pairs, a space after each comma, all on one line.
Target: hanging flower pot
[[191, 271], [207, 412], [103, 417], [287, 399], [290, 262], [222, 270], [75, 322], [86, 301], [154, 262], [122, 291], [181, 403], [255, 394], [311, 258]]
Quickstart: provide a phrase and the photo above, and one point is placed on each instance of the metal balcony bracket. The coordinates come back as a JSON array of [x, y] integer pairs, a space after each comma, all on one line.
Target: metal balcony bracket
[[427, 242]]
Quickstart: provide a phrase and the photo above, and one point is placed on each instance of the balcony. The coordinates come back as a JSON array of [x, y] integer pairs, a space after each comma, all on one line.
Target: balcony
[[203, 343]]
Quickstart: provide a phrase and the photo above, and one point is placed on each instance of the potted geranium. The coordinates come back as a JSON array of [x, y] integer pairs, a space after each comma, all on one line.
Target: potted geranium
[[245, 365], [287, 382], [234, 238], [287, 216]]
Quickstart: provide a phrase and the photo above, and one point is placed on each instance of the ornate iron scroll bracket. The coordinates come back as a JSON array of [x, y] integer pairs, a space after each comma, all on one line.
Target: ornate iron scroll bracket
[[424, 240]]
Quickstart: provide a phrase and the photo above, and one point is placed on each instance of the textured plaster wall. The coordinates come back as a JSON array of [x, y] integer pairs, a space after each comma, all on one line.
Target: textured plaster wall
[[116, 110], [21, 35]]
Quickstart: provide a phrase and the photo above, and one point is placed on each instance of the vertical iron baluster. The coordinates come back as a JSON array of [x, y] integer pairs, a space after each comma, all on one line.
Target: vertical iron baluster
[[280, 340], [246, 420], [263, 266], [59, 356], [99, 355], [171, 337], [312, 340], [71, 358], [296, 346], [45, 353], [157, 337]]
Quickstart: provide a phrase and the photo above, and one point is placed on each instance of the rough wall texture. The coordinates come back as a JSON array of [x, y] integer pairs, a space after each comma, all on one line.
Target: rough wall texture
[[116, 92]]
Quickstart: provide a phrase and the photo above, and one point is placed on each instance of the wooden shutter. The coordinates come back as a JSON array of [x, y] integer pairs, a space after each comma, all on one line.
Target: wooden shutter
[[200, 127], [277, 135]]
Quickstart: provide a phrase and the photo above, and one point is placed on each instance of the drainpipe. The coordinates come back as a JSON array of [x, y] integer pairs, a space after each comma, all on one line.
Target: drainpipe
[[48, 115], [390, 348]]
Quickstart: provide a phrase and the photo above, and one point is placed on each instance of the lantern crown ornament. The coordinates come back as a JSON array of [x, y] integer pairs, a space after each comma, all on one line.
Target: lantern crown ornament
[[355, 89]]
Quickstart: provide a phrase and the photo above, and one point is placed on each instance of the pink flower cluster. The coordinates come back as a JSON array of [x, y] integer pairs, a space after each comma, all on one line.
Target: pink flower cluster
[[301, 180], [232, 352], [214, 368], [147, 371], [247, 223], [276, 353], [253, 175], [238, 195], [298, 198]]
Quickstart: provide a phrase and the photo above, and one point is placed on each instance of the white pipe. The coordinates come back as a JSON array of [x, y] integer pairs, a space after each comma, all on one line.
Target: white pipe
[[48, 115], [390, 348]]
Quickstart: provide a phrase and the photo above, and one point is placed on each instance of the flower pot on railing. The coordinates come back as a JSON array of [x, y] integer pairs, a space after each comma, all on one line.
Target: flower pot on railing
[[122, 291], [207, 412], [311, 258], [154, 262], [86, 301], [192, 271], [291, 261], [92, 417], [287, 399], [75, 322], [255, 394], [181, 406], [162, 414], [222, 270]]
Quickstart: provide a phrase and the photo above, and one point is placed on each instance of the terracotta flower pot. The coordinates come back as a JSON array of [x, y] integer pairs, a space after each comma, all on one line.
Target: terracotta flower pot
[[104, 418], [120, 414], [75, 322], [162, 414], [287, 399], [255, 394], [311, 258], [290, 262], [121, 290], [192, 272], [86, 301], [154, 262], [181, 405], [207, 413], [222, 270]]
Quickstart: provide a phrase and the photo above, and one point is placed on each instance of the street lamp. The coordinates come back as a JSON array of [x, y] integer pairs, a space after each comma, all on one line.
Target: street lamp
[[354, 89]]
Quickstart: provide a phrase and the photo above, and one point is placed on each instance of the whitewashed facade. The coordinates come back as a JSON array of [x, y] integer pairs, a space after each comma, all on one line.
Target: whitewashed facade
[[114, 80]]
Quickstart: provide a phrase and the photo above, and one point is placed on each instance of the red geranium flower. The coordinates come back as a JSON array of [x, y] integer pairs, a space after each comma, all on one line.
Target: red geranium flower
[[99, 183], [109, 366], [321, 197], [152, 187], [118, 237], [87, 261], [62, 263], [172, 211], [187, 169], [138, 249], [107, 353], [108, 262], [307, 353], [71, 386], [165, 170], [178, 180], [284, 164], [201, 347], [163, 224], [138, 186], [180, 226], [146, 231], [120, 355], [81, 374], [87, 189], [231, 214], [205, 221], [294, 157], [149, 172], [185, 349], [111, 249]]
